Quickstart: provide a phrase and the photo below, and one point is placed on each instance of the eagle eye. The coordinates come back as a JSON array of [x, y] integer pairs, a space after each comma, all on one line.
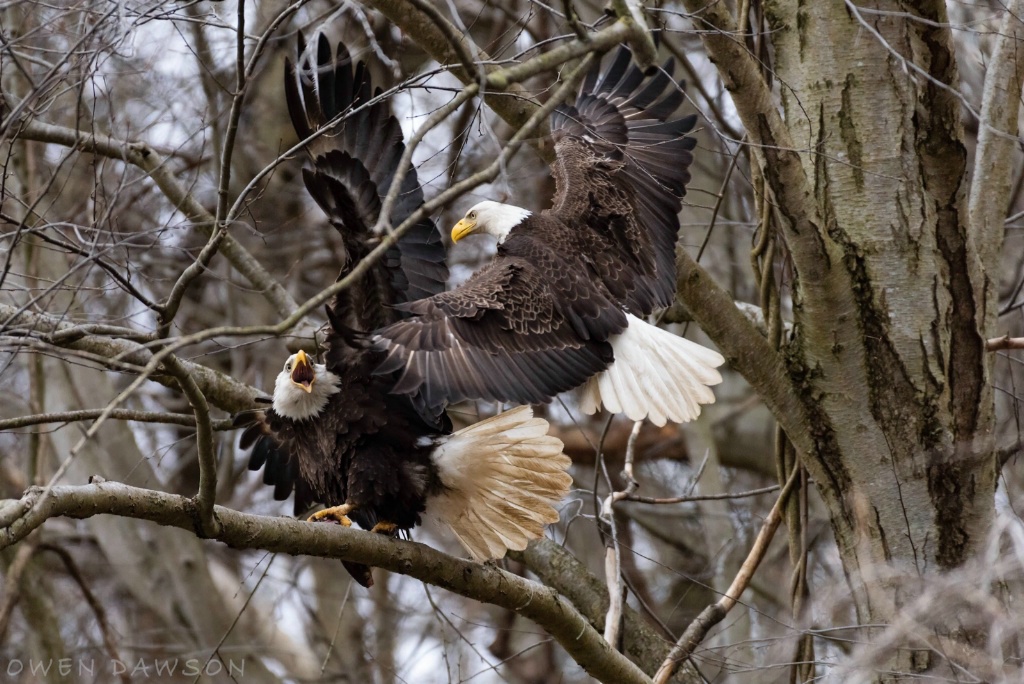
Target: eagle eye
[[472, 214]]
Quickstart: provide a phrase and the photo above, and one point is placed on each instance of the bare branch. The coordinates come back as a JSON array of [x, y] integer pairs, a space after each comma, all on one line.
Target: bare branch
[[90, 598], [12, 584], [204, 443], [993, 161], [143, 156], [630, 12], [451, 35], [515, 110], [702, 497], [182, 419], [218, 235], [221, 390], [613, 557], [484, 583], [717, 611], [746, 349], [1004, 342]]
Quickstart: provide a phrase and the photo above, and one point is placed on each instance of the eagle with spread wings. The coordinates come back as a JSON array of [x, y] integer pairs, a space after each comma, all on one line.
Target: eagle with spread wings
[[563, 301]]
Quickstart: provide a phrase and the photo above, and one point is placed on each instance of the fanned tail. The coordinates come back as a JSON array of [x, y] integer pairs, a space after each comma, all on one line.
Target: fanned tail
[[656, 375], [503, 476]]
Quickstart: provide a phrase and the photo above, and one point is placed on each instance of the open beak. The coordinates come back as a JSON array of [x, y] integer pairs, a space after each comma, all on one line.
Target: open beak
[[462, 229], [302, 373]]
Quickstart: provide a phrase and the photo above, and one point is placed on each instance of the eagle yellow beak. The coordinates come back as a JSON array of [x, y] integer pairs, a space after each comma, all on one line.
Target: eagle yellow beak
[[302, 373], [462, 229]]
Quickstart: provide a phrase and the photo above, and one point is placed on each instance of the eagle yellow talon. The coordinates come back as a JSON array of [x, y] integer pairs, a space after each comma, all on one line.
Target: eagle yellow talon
[[338, 514], [388, 528]]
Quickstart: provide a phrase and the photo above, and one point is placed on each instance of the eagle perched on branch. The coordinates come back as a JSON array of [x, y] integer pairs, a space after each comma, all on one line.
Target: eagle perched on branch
[[336, 433], [563, 300]]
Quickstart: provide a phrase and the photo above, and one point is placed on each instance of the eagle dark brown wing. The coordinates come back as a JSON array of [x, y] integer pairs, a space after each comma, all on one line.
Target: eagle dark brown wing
[[281, 471], [525, 327], [353, 165], [621, 172], [263, 434]]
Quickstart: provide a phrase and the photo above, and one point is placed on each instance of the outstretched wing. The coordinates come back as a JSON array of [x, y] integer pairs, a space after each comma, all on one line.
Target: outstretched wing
[[269, 452], [522, 329], [621, 171], [354, 161]]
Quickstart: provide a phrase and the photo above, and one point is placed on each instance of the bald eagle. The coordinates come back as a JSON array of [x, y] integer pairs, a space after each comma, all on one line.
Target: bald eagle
[[335, 433], [562, 302]]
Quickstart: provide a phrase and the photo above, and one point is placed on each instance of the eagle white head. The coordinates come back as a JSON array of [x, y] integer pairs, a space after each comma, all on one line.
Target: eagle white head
[[492, 218], [303, 388]]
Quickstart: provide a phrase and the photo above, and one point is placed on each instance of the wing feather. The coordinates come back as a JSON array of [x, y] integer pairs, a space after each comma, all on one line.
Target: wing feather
[[354, 163], [265, 434], [512, 332], [621, 171]]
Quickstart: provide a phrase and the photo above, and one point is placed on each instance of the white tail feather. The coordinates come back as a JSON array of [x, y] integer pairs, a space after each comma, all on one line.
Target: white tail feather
[[655, 375], [503, 476]]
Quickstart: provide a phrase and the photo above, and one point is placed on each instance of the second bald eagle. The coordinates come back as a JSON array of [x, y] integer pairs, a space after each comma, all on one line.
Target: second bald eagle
[[562, 302]]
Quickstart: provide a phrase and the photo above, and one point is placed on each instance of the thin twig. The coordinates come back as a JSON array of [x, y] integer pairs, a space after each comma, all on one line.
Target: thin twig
[[701, 497], [144, 157], [224, 391], [717, 611], [238, 616], [111, 270], [613, 554], [94, 603], [457, 42], [12, 585], [243, 77], [405, 163]]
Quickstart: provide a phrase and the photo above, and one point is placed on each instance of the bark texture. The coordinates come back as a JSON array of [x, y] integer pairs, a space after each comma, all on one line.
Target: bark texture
[[887, 356]]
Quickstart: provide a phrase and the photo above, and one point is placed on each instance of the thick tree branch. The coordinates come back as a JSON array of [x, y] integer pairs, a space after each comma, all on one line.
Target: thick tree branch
[[631, 12], [760, 115], [993, 161], [485, 583], [746, 349], [558, 568], [221, 390]]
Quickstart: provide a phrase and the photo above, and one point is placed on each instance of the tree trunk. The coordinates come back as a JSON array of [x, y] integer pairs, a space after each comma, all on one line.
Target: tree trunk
[[885, 388], [888, 352]]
